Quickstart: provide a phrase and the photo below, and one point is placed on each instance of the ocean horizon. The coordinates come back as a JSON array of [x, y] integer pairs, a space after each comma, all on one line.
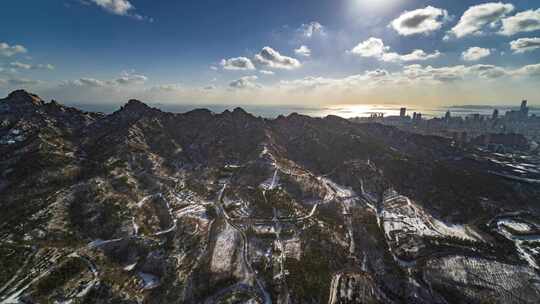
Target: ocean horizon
[[345, 111]]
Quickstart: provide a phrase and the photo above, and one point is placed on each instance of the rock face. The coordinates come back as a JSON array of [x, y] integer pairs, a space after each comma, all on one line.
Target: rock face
[[148, 206]]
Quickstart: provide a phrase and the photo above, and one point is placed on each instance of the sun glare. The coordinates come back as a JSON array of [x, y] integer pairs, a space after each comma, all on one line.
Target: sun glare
[[377, 6]]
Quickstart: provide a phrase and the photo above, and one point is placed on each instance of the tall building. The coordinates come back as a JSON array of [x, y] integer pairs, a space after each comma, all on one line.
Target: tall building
[[521, 114], [402, 112], [495, 114], [524, 109], [523, 104]]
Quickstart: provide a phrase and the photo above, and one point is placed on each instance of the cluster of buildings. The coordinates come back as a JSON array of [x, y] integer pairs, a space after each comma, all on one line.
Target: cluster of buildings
[[521, 114], [516, 129]]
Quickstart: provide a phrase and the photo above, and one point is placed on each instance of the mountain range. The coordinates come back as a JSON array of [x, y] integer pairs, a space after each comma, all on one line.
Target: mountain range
[[146, 206]]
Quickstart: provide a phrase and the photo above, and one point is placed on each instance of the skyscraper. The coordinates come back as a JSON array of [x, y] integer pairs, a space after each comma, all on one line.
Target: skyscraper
[[495, 114], [523, 105], [524, 110]]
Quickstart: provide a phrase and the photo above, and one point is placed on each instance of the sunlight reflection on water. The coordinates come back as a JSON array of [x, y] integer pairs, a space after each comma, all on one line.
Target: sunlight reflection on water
[[345, 111]]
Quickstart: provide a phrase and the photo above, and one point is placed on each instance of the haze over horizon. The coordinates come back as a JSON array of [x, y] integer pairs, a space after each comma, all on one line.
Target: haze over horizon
[[301, 53]]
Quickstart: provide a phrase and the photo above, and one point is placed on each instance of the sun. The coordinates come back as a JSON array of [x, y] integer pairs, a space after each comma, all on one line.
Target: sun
[[376, 6]]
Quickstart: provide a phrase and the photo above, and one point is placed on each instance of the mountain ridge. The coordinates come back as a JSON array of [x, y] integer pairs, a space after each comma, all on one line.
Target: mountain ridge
[[194, 207]]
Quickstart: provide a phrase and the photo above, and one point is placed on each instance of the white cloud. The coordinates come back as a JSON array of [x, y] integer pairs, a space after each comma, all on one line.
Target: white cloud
[[411, 82], [303, 50], [10, 50], [420, 21], [167, 87], [129, 78], [27, 66], [376, 74], [20, 65], [90, 82], [416, 55], [488, 71], [312, 29], [273, 59], [313, 84], [22, 82], [246, 82], [453, 73], [526, 21], [414, 74], [125, 79], [523, 45], [428, 73], [528, 70], [47, 66], [475, 53], [265, 72], [411, 75], [239, 63], [119, 7], [479, 16], [375, 48]]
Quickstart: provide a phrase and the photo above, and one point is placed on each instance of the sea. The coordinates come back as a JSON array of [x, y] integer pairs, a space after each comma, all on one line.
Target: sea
[[345, 111]]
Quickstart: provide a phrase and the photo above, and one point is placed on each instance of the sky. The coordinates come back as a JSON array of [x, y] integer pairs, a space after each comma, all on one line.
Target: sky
[[305, 53]]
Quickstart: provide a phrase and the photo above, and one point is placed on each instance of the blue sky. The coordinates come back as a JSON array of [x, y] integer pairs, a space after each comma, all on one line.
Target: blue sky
[[296, 52]]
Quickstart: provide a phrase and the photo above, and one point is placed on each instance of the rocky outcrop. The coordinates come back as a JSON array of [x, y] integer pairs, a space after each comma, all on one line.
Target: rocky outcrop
[[23, 99]]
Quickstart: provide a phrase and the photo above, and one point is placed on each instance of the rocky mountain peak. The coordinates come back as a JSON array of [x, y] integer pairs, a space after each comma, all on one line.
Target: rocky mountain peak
[[240, 114], [137, 105], [239, 111], [199, 114], [22, 97], [134, 108]]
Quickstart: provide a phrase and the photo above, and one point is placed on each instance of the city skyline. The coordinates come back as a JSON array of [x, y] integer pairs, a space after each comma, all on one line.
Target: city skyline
[[305, 53]]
